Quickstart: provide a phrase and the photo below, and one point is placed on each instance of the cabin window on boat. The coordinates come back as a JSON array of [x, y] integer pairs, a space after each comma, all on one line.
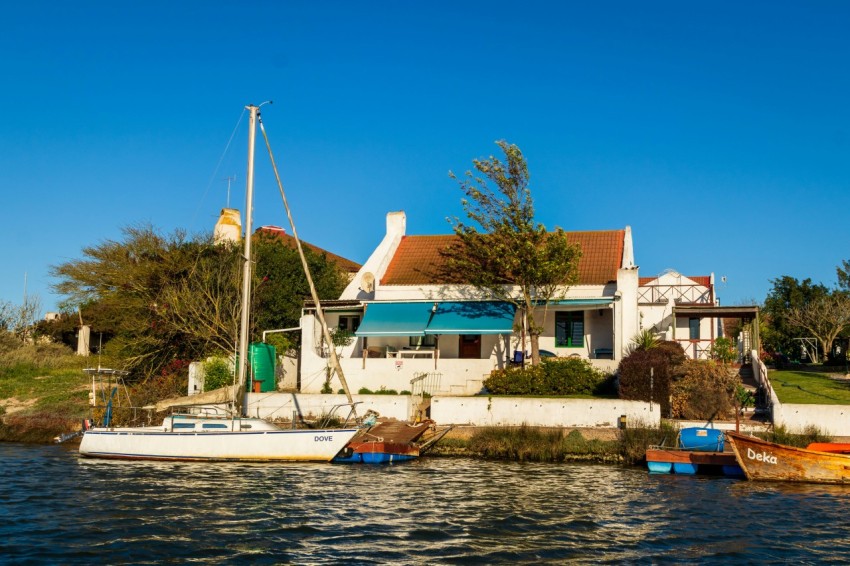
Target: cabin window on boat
[[349, 323], [569, 329], [214, 425], [184, 425], [693, 326]]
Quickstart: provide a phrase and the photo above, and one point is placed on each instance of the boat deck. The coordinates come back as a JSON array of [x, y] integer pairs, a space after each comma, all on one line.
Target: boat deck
[[394, 431]]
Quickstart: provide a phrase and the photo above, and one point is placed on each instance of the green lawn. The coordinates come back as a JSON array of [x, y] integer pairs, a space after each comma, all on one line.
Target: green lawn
[[809, 387]]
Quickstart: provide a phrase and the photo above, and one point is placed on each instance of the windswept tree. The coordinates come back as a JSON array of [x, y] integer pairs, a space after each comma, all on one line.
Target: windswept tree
[[161, 298], [843, 273], [824, 318], [502, 250]]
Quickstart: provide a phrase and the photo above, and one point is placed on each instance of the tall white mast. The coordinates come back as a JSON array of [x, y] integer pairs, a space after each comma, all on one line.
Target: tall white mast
[[244, 334]]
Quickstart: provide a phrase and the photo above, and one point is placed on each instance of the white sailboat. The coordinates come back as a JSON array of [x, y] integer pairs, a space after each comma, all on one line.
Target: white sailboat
[[226, 438]]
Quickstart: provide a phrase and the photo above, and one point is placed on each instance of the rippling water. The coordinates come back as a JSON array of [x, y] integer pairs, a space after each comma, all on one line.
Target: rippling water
[[58, 508]]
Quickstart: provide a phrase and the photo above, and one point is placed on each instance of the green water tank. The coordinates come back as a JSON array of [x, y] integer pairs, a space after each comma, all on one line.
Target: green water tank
[[262, 358]]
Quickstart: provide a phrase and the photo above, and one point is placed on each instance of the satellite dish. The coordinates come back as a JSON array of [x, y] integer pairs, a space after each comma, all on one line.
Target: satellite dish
[[367, 282]]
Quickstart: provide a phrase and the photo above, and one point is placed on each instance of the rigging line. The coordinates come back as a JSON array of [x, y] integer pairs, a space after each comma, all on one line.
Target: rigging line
[[218, 165], [337, 367]]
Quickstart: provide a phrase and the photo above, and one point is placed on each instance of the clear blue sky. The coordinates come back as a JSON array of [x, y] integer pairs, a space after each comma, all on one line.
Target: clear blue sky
[[719, 132]]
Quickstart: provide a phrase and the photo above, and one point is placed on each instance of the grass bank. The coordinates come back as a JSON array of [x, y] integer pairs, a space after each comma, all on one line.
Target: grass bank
[[43, 393], [810, 387]]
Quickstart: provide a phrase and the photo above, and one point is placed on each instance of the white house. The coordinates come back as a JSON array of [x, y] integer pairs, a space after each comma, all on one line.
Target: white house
[[685, 309], [410, 325]]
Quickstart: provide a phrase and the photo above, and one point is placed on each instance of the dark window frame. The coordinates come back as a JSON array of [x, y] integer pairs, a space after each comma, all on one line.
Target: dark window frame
[[569, 329], [694, 328]]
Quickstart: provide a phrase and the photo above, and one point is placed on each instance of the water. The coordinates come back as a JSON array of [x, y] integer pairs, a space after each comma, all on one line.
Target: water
[[58, 508]]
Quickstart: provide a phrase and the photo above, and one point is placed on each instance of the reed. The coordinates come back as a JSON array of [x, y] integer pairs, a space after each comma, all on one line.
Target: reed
[[35, 427], [531, 444], [811, 433]]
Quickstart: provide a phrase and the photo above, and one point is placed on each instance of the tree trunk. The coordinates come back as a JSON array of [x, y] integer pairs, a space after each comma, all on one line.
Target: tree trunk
[[535, 348]]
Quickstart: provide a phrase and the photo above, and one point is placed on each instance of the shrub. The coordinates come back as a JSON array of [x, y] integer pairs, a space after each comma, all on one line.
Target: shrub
[[158, 388], [705, 391], [382, 391], [723, 351], [553, 376], [217, 374], [647, 374]]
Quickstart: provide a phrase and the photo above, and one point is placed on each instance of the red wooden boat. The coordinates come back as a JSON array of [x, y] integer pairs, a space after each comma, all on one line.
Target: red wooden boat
[[836, 447]]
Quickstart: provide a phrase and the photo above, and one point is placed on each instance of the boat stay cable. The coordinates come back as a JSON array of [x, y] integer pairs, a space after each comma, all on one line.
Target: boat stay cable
[[337, 367], [218, 166]]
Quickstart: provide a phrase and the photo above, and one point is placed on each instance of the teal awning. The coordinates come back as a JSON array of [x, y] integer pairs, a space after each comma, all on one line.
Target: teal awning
[[593, 303], [395, 319], [488, 317], [419, 319]]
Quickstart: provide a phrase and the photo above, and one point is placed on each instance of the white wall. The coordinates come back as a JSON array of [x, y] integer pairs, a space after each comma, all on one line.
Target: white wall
[[833, 420], [282, 405], [626, 317], [478, 411], [515, 411]]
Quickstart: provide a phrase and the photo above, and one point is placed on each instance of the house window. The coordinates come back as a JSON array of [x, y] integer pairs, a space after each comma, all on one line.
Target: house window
[[427, 341], [349, 323], [693, 325], [569, 329]]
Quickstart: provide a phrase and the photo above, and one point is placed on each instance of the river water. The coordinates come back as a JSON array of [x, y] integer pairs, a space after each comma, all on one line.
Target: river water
[[58, 508]]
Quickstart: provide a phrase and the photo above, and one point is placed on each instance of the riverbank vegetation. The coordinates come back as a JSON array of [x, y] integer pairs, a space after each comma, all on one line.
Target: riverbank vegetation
[[43, 391], [539, 444]]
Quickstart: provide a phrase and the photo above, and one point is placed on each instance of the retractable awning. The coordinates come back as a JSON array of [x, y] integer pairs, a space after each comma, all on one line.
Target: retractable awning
[[395, 319], [437, 317], [488, 317], [582, 303]]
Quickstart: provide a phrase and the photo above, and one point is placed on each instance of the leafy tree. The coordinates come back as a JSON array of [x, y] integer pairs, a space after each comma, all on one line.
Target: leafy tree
[[824, 318], [787, 293], [162, 298], [843, 272], [281, 286], [503, 251], [723, 351]]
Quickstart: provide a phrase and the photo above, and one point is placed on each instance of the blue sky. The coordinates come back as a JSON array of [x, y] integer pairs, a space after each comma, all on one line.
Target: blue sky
[[719, 131]]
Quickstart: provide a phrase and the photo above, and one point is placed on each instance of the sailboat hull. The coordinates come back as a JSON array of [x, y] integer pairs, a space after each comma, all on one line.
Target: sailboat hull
[[254, 446]]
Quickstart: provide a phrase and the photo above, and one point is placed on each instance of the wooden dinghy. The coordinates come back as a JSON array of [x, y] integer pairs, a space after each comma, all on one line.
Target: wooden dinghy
[[766, 461]]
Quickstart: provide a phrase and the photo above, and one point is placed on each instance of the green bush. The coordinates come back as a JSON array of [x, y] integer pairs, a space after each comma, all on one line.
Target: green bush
[[382, 391], [217, 374], [553, 376], [723, 351]]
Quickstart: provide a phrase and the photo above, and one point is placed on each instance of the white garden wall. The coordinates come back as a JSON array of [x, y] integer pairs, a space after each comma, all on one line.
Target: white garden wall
[[515, 411]]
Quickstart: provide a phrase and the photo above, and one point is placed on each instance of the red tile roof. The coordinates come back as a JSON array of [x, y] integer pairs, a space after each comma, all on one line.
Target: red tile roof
[[417, 260], [346, 265]]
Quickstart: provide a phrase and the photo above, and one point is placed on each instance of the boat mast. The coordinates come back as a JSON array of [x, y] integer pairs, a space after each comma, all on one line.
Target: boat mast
[[244, 334]]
